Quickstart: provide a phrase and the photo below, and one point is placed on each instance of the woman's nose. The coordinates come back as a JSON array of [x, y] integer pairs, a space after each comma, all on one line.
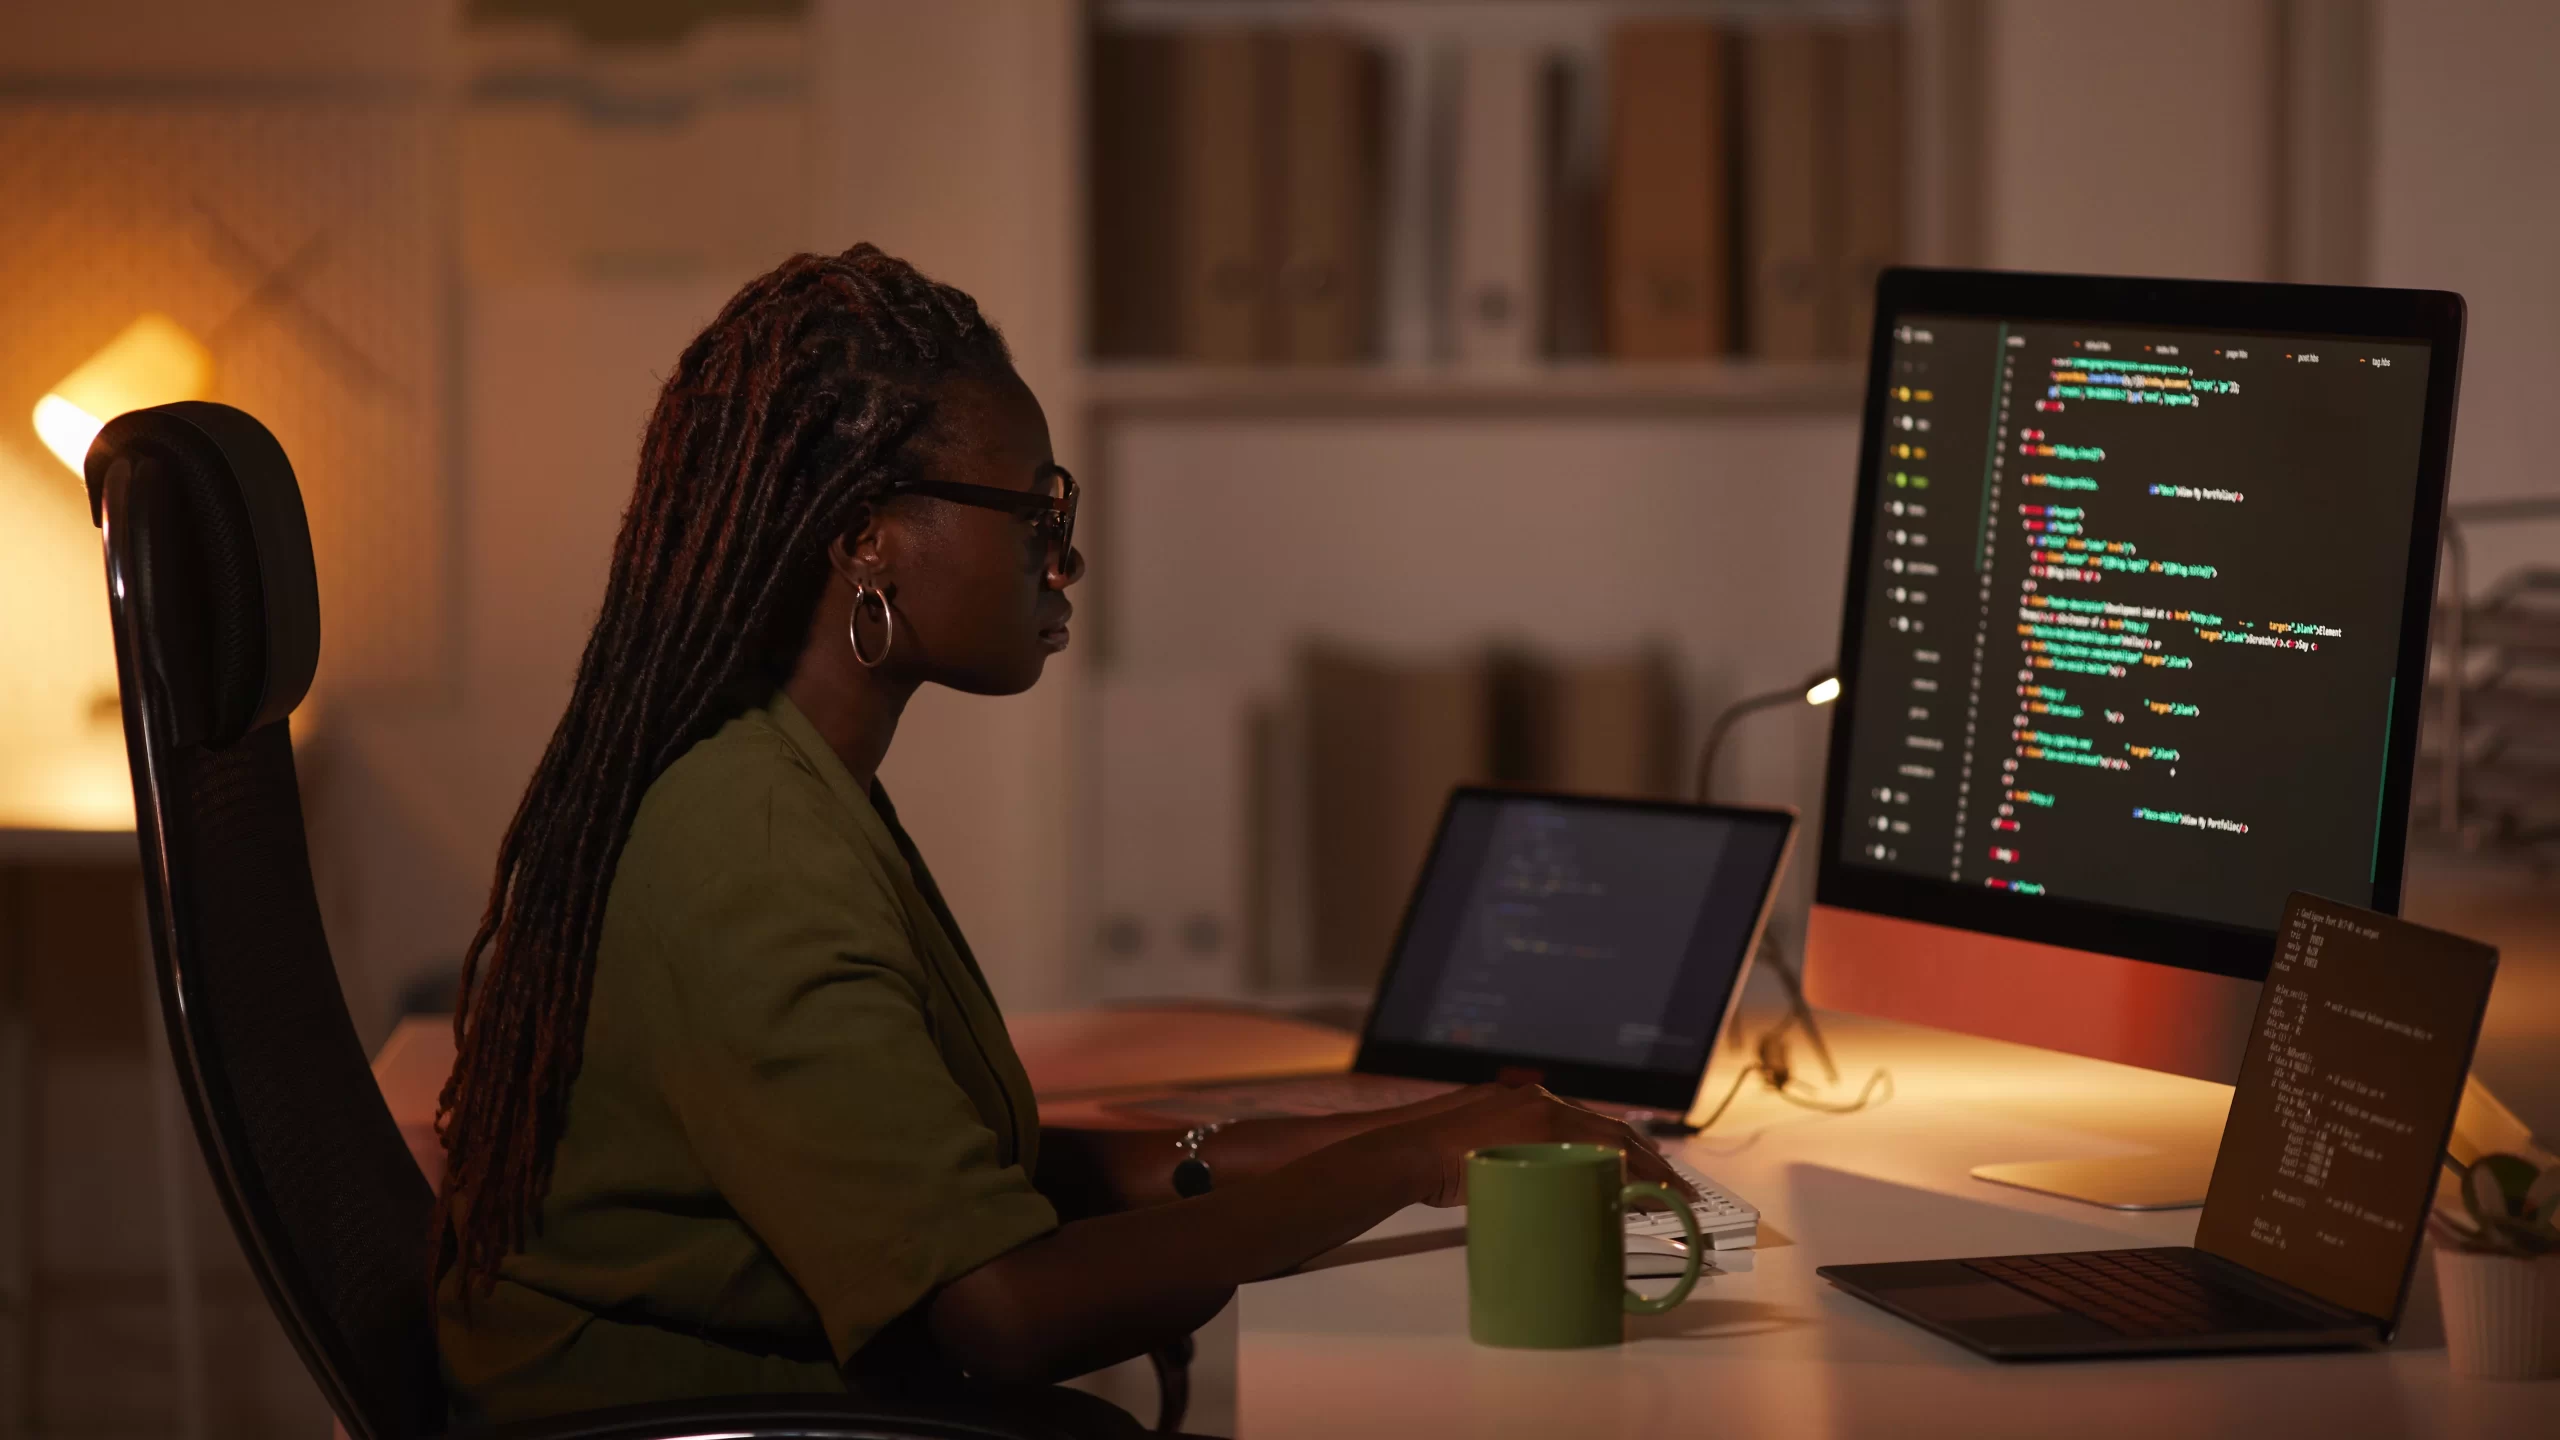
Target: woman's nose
[[1062, 576]]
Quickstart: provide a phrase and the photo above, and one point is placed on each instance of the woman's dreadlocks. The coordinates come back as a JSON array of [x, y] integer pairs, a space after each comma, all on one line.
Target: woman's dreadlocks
[[803, 404]]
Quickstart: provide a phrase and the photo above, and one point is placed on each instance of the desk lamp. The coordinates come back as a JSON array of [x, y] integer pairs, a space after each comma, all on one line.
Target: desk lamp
[[152, 361], [1819, 688], [62, 757]]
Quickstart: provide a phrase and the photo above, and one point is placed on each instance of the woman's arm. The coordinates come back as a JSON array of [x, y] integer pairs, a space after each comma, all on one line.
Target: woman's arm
[[1100, 1290], [1087, 1172]]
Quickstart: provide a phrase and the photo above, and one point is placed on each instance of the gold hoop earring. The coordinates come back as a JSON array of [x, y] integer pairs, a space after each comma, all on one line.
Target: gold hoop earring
[[853, 626]]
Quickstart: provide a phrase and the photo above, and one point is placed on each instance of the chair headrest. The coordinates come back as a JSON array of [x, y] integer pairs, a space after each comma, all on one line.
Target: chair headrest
[[217, 552]]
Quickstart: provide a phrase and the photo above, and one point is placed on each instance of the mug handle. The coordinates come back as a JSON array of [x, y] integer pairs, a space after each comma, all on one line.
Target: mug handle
[[1644, 1189]]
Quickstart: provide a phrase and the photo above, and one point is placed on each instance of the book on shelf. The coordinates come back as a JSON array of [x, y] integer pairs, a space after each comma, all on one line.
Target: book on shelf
[[1665, 252], [1789, 232], [1687, 191], [1236, 194], [1172, 825], [1497, 229], [1384, 740], [1134, 164], [1222, 197], [1604, 724], [1332, 105], [1355, 767], [1870, 177], [1572, 185], [1823, 185]]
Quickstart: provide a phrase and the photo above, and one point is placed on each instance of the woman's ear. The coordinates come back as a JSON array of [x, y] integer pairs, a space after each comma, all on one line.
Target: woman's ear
[[856, 555]]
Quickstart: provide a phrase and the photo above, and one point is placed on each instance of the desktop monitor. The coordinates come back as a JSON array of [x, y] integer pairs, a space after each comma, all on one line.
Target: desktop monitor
[[2134, 646]]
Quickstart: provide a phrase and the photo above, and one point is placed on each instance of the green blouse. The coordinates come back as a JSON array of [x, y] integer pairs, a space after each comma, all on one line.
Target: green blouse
[[798, 1114]]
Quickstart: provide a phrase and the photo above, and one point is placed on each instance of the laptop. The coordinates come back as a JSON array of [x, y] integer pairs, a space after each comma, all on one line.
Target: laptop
[[2319, 1197], [1592, 945]]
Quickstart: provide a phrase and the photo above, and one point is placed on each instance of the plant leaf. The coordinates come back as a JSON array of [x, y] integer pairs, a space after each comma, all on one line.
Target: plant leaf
[[2542, 1197]]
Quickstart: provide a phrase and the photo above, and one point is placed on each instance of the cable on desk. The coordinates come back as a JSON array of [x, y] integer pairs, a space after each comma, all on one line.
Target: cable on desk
[[1772, 1066]]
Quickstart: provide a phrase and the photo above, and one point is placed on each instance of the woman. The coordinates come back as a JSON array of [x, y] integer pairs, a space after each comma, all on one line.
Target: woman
[[734, 1110]]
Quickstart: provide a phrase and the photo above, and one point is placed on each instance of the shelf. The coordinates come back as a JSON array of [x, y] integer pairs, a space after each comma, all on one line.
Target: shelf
[[1561, 390]]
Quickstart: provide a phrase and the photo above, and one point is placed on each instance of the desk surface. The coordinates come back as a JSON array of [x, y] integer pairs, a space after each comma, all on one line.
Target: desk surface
[[1379, 1347], [25, 841]]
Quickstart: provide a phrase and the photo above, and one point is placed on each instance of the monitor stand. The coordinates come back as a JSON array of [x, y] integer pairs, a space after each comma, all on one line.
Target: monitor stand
[[2162, 1180]]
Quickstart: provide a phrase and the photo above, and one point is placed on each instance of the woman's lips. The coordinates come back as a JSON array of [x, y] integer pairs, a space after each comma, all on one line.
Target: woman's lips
[[1053, 636]]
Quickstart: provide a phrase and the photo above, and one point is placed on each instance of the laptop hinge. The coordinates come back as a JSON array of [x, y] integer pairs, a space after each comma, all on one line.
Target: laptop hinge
[[2247, 1278]]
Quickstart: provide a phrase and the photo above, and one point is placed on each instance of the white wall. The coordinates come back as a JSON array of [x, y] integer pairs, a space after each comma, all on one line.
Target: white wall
[[1230, 543], [935, 135], [2125, 141], [1234, 540], [558, 381], [950, 134], [2467, 198]]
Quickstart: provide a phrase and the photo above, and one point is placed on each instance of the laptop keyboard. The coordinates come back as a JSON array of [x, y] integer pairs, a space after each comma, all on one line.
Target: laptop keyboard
[[2144, 1293]]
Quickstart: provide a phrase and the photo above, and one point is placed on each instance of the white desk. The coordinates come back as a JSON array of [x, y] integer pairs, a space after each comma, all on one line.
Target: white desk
[[1379, 1346]]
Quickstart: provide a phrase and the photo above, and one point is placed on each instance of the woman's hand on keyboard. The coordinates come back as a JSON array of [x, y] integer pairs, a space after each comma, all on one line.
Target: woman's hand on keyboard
[[1445, 1129]]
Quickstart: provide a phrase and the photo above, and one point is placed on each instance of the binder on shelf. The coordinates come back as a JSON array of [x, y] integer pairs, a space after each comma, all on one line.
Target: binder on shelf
[[1331, 162], [1607, 726], [1222, 203], [1384, 742], [1571, 186], [1498, 211], [1135, 163], [1790, 108], [1172, 835], [1870, 174], [1589, 724], [1666, 252]]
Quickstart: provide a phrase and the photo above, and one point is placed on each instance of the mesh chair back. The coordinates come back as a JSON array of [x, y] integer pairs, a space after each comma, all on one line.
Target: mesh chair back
[[217, 629]]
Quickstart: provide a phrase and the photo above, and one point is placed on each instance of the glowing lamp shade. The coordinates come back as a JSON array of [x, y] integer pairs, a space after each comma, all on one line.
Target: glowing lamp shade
[[150, 362], [1823, 691]]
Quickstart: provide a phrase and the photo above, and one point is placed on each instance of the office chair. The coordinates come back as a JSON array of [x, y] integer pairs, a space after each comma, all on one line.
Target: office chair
[[217, 628]]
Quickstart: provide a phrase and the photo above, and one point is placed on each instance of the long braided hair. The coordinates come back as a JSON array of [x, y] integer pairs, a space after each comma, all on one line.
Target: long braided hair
[[803, 404]]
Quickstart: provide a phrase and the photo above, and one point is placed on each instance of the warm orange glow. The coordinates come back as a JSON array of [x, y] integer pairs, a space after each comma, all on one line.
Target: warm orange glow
[[150, 362], [79, 785]]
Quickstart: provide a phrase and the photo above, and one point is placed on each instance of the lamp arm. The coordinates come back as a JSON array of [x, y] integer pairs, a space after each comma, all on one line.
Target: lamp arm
[[1724, 725]]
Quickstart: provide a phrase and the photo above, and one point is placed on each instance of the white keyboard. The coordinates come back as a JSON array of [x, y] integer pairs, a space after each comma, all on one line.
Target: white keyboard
[[1725, 1220]]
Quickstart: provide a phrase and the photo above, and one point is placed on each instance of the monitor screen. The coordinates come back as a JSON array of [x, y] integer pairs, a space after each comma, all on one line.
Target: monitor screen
[[1595, 933], [2132, 624]]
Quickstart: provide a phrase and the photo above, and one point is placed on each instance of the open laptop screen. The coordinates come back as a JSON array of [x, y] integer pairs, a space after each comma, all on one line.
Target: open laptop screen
[[2363, 1037], [1593, 940]]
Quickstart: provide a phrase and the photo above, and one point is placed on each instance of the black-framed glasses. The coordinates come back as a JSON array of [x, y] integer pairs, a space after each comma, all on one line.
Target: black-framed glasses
[[1051, 509]]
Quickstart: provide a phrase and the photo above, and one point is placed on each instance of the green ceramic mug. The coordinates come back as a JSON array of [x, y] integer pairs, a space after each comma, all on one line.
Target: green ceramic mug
[[1546, 1246]]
